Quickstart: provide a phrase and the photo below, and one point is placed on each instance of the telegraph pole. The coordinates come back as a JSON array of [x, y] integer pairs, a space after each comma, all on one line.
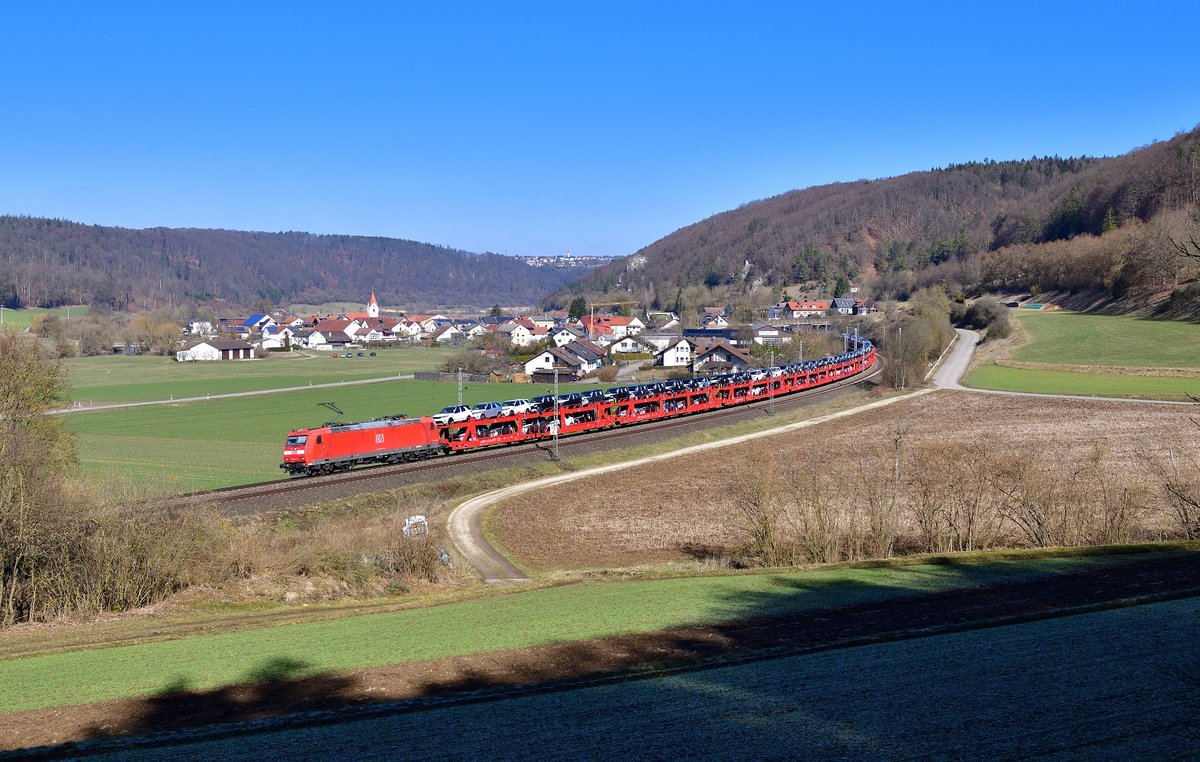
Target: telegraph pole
[[460, 386], [771, 383], [557, 420]]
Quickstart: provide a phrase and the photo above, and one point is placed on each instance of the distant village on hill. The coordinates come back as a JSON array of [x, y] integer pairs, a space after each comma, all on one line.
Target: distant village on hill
[[570, 346]]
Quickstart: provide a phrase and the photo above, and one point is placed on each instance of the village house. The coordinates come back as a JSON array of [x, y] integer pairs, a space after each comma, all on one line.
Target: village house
[[576, 358], [257, 322], [518, 334], [676, 354], [764, 333], [865, 306], [841, 306], [799, 309], [631, 345], [564, 335], [720, 357], [275, 337], [447, 334]]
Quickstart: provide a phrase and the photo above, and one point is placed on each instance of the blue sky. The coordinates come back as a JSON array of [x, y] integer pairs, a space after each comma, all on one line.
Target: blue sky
[[537, 128]]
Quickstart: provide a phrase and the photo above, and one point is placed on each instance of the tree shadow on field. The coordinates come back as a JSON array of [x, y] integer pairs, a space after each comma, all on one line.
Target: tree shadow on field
[[277, 685], [834, 711]]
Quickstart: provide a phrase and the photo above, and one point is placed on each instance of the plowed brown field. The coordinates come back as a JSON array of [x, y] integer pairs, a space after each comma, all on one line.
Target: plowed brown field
[[680, 509]]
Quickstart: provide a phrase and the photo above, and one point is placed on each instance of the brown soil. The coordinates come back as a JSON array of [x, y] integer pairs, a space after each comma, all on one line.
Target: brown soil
[[553, 667], [680, 509]]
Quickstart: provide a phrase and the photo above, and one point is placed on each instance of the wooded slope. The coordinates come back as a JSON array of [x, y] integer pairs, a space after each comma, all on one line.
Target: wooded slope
[[896, 229], [46, 262]]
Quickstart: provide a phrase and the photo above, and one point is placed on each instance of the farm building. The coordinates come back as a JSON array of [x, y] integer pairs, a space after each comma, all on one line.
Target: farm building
[[217, 349]]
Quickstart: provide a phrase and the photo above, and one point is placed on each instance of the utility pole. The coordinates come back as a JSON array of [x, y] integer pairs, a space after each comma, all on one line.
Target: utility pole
[[557, 421], [771, 383], [460, 386]]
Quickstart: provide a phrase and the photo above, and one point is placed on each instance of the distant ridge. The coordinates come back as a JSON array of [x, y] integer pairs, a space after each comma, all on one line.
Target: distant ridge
[[47, 262]]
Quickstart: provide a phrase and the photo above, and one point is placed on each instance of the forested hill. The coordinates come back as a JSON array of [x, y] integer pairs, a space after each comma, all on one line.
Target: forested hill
[[895, 231], [45, 262]]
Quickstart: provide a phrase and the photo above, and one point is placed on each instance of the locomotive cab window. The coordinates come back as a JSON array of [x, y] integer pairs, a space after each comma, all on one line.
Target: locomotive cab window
[[297, 441], [318, 439]]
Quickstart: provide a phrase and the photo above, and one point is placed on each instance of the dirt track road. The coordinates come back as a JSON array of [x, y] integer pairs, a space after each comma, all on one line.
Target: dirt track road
[[950, 374], [466, 532]]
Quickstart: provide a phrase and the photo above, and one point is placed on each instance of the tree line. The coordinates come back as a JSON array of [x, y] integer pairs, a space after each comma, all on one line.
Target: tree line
[[75, 546]]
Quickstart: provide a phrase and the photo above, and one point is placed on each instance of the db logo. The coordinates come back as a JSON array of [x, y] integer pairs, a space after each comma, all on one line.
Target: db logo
[[379, 439]]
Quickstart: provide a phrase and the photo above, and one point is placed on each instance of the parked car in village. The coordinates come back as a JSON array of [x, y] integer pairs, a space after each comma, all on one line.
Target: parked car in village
[[516, 407], [485, 410], [453, 414]]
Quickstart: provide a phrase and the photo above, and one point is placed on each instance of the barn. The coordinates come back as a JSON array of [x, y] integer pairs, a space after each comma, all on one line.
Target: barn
[[217, 349]]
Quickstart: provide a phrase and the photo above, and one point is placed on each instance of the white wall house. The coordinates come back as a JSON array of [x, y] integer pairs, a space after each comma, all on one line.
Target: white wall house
[[677, 354], [519, 335]]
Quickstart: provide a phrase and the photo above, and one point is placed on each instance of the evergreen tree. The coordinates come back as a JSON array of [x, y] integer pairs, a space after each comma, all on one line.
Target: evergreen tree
[[578, 308], [1110, 220]]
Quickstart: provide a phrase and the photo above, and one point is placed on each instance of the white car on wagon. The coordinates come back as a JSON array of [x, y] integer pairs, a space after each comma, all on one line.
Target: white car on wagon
[[516, 407]]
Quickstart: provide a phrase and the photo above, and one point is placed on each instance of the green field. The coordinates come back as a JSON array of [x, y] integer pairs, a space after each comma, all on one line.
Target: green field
[[1072, 338], [1067, 344], [1104, 685], [497, 622], [992, 376], [143, 379], [21, 319], [222, 442]]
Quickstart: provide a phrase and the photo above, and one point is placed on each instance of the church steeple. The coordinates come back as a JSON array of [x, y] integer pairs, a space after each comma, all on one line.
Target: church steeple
[[373, 307]]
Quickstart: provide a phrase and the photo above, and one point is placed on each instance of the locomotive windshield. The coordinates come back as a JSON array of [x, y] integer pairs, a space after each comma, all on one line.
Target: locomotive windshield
[[297, 441]]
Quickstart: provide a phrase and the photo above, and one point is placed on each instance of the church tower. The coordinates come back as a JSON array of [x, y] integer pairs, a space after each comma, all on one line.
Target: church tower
[[373, 307]]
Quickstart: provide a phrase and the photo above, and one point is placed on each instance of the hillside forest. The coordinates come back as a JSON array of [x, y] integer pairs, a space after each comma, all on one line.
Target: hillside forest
[[50, 262], [1103, 229]]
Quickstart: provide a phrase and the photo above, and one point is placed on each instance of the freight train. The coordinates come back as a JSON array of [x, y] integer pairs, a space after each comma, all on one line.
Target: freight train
[[341, 446]]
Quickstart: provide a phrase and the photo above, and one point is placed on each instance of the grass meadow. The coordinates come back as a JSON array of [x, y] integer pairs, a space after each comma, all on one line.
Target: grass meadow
[[1072, 338], [205, 444], [1098, 356], [1104, 685], [142, 379], [21, 319], [496, 622], [1038, 381]]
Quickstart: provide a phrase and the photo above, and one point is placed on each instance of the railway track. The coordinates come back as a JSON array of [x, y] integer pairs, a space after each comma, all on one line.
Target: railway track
[[281, 494]]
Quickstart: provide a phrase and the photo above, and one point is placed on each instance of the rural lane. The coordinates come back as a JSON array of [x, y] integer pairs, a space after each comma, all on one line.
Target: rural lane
[[257, 393], [464, 522], [950, 374]]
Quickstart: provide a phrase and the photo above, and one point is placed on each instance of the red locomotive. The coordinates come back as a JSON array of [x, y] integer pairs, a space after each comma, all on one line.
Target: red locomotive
[[339, 446]]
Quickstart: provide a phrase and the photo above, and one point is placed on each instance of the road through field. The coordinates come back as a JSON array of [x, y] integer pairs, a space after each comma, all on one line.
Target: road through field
[[950, 374], [256, 393], [464, 522]]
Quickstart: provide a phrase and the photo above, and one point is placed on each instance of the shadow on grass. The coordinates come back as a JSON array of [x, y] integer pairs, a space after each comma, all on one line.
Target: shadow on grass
[[760, 624], [276, 686]]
